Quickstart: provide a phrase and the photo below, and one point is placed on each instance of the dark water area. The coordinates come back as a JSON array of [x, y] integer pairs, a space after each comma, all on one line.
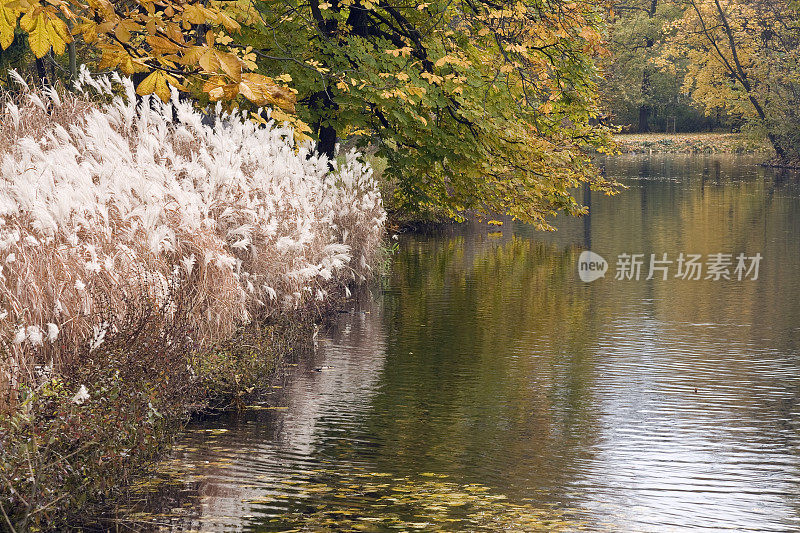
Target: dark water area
[[484, 386]]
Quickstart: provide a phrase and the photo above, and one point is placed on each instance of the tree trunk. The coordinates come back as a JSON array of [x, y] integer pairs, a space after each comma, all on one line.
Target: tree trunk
[[41, 71], [73, 55], [644, 119], [327, 141], [73, 60], [325, 106], [322, 100], [737, 70]]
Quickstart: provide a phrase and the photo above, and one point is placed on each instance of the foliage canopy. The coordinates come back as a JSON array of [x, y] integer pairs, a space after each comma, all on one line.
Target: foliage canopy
[[477, 106], [744, 55]]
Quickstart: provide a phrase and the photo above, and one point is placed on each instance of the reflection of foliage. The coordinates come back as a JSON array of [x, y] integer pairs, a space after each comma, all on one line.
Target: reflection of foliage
[[727, 206], [492, 332]]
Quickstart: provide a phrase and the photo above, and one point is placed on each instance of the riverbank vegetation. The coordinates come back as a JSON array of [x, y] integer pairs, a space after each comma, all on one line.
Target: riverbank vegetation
[[476, 107], [137, 239]]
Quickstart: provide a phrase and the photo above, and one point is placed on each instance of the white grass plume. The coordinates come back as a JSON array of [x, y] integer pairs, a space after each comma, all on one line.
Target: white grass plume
[[108, 206]]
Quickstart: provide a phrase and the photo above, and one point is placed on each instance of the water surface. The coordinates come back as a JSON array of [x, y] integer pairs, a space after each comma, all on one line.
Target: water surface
[[483, 386]]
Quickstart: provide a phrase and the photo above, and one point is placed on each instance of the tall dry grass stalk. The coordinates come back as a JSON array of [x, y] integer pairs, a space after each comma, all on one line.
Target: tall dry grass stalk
[[109, 209]]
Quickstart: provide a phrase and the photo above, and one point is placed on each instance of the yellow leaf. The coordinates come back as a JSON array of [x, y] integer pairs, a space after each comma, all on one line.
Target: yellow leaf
[[195, 14], [8, 21], [217, 89], [122, 33], [224, 39], [161, 45], [157, 82], [110, 59], [262, 91], [227, 22], [231, 65], [59, 34], [37, 35], [207, 59], [148, 85], [125, 28]]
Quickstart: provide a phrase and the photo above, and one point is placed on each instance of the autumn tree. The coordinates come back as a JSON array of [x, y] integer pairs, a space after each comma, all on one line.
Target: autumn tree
[[744, 56], [637, 88], [478, 106], [161, 44]]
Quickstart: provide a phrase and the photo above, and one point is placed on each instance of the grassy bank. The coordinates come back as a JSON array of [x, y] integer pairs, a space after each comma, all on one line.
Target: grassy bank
[[66, 462], [690, 143], [155, 263]]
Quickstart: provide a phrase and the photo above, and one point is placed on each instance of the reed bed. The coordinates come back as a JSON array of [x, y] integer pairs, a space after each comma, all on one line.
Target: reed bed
[[117, 210]]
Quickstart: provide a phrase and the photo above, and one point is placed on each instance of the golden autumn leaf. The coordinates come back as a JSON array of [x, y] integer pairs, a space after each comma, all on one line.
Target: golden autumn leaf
[[157, 82], [231, 65], [196, 14], [228, 91], [124, 30], [262, 91], [38, 39], [8, 21], [162, 45], [227, 22]]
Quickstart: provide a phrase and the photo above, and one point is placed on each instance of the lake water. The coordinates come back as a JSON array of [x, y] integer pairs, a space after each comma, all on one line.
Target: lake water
[[484, 386]]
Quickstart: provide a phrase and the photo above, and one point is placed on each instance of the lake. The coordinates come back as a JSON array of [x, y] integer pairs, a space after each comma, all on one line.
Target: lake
[[482, 386]]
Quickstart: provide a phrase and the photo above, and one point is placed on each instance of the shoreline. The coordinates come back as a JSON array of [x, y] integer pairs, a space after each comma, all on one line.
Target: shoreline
[[236, 373], [690, 143]]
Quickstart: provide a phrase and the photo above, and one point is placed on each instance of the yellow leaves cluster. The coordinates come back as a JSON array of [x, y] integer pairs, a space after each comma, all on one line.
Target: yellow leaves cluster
[[157, 82], [262, 91], [152, 36], [45, 30], [317, 66], [453, 60], [432, 78], [259, 89], [44, 24], [404, 52]]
